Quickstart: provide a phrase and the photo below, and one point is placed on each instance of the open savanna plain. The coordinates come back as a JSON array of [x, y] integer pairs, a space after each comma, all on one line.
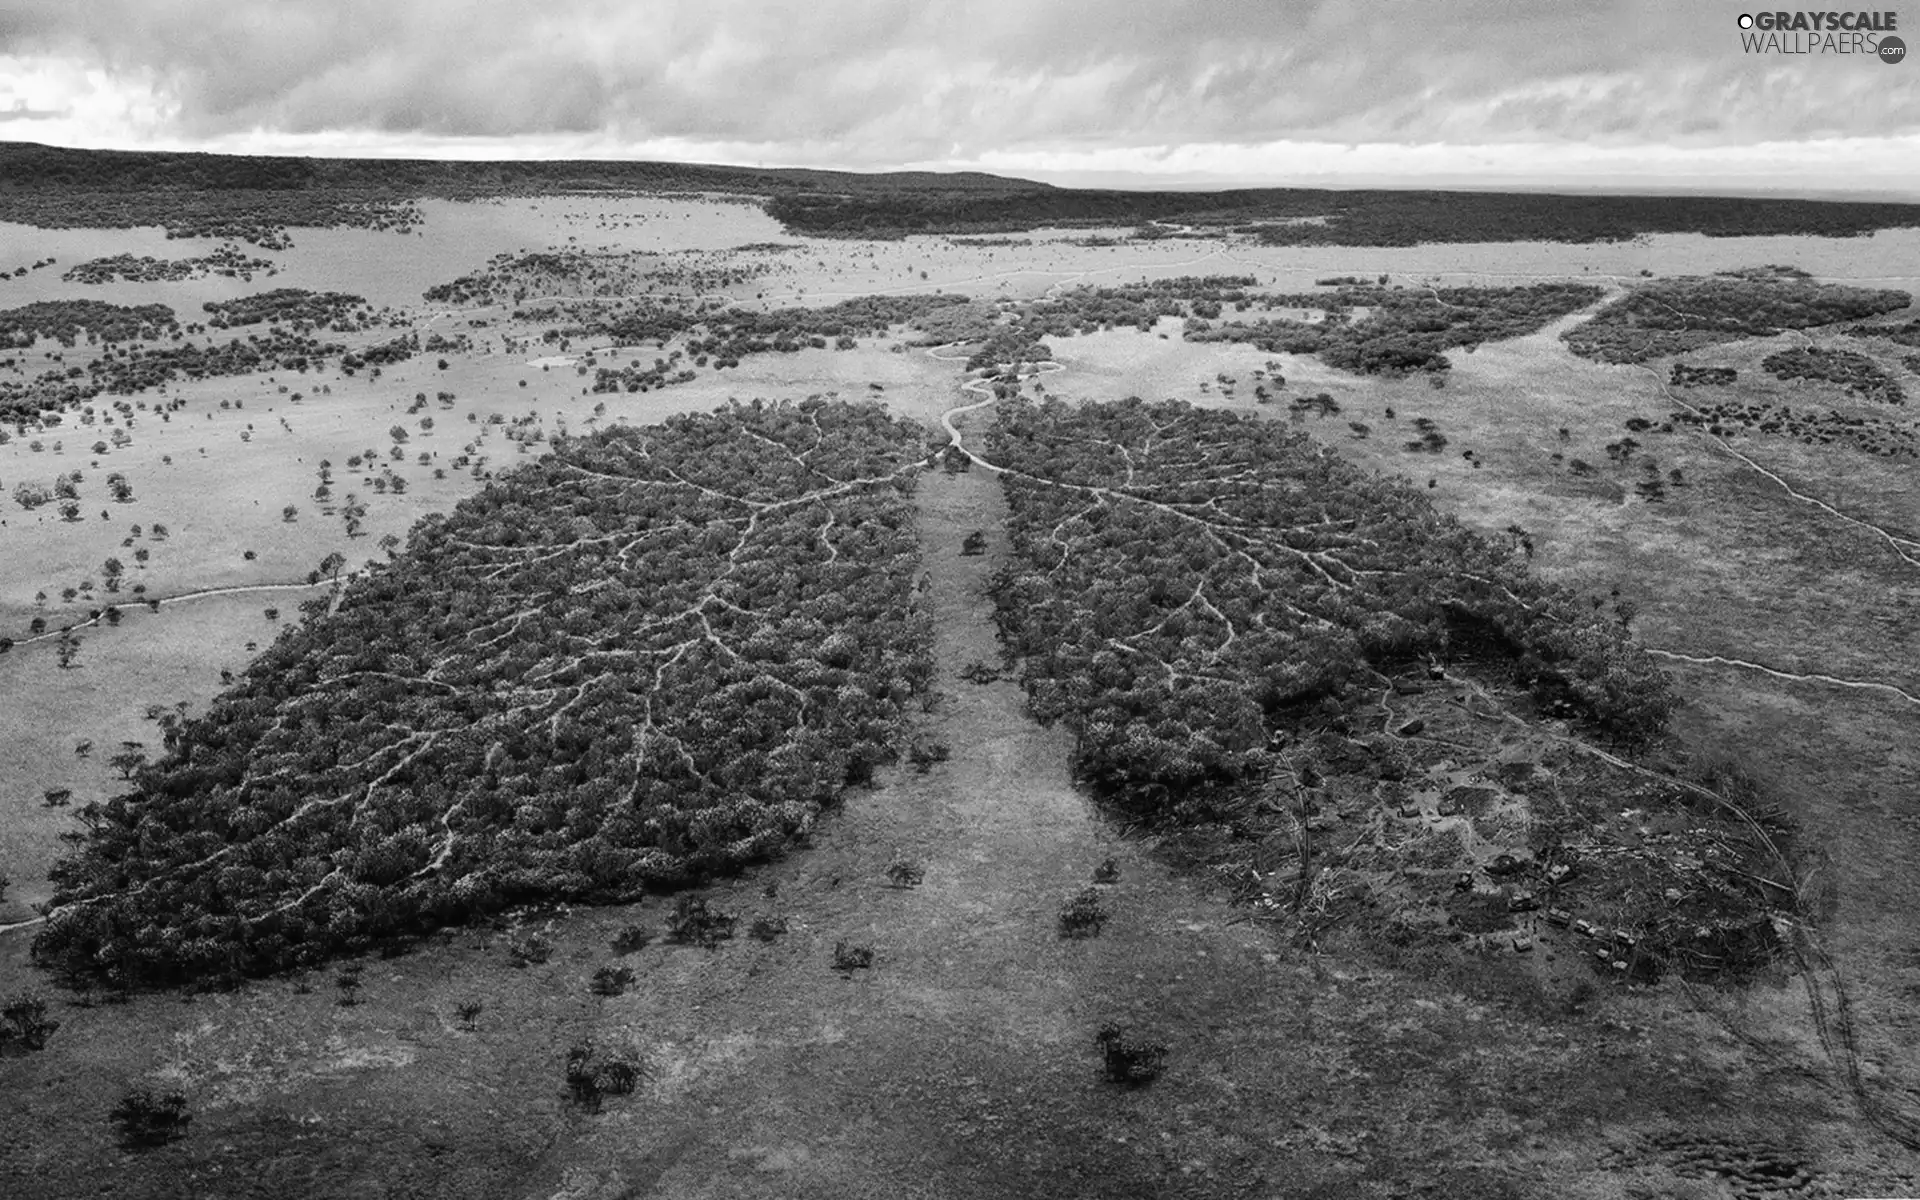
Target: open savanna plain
[[1364, 935]]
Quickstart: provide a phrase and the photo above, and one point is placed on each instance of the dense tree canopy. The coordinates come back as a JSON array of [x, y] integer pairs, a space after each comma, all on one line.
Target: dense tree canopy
[[1185, 578], [652, 655]]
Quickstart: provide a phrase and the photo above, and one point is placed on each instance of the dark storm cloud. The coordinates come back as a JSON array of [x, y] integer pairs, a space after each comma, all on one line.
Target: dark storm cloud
[[919, 80]]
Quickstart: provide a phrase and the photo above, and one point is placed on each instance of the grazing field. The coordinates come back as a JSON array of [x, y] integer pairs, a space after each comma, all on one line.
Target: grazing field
[[1468, 780]]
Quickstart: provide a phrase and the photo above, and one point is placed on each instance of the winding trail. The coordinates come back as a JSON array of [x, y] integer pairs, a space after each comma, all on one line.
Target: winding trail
[[149, 602], [1901, 546], [1719, 660]]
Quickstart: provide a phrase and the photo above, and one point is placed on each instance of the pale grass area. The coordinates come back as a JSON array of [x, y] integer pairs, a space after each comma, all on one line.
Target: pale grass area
[[149, 658]]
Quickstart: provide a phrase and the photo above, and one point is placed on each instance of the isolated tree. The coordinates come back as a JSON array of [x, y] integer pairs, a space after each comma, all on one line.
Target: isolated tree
[[130, 759], [24, 1024], [289, 513]]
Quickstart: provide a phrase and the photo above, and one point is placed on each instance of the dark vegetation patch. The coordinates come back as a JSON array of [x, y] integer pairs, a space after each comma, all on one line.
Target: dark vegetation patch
[[1813, 427], [1686, 375], [293, 316], [148, 1118], [125, 371], [543, 274], [1129, 1060], [724, 337], [1674, 316], [1245, 577], [25, 1025], [229, 262], [293, 306], [65, 321], [1855, 372], [591, 1079], [569, 273], [1404, 329], [1906, 334], [1139, 305], [693, 923], [650, 657], [381, 354]]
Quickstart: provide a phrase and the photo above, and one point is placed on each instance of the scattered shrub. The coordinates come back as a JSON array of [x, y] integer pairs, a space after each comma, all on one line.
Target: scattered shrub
[[1082, 916], [148, 1118], [848, 958], [692, 923]]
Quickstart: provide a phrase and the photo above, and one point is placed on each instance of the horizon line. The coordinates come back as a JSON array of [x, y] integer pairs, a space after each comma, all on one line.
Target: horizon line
[[1743, 186]]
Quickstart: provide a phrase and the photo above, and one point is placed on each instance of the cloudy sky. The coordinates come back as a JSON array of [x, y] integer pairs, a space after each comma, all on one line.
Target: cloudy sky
[[1650, 92]]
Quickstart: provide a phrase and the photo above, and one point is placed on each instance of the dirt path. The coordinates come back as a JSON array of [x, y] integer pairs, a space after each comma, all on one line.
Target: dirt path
[[1901, 546]]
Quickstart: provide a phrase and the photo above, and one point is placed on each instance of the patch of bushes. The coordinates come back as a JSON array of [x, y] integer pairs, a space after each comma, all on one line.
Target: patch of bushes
[[692, 923], [1130, 1060], [65, 320], [227, 261], [24, 1025], [632, 938], [1082, 916], [1674, 316], [590, 1082], [611, 981], [1404, 329], [848, 958], [295, 306], [1855, 372], [1685, 375], [148, 1118]]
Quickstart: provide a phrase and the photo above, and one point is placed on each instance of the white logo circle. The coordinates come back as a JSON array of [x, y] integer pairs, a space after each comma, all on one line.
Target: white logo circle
[[1746, 21]]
